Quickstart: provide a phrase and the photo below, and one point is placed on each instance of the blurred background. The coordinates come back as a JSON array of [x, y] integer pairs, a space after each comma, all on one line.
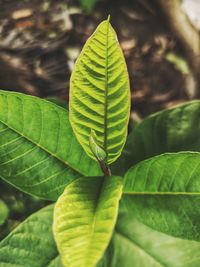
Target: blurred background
[[41, 39]]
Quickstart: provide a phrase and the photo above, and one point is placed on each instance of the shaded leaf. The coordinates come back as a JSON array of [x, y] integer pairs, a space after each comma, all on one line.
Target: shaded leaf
[[135, 244], [88, 5], [172, 130], [31, 243], [164, 193]]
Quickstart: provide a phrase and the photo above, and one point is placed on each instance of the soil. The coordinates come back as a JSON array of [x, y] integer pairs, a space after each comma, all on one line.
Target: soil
[[40, 40]]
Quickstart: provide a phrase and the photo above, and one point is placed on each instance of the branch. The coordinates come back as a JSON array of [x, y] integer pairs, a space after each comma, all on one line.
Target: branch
[[186, 33]]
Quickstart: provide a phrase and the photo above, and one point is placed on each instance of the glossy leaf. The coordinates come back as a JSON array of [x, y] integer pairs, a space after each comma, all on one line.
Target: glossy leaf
[[172, 130], [100, 94], [31, 243], [84, 218], [38, 152], [164, 193]]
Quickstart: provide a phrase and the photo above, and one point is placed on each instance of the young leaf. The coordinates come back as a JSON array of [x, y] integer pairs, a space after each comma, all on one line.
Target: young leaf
[[172, 130], [97, 151], [164, 193], [31, 243], [38, 152], [100, 94], [84, 218]]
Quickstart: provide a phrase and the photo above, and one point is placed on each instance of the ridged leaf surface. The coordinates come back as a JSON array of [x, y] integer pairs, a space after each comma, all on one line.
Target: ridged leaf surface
[[31, 244], [39, 153], [163, 174], [164, 193], [84, 218], [133, 243], [100, 94]]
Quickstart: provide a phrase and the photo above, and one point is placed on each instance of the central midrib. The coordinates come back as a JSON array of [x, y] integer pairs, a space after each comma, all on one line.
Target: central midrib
[[106, 92], [93, 225]]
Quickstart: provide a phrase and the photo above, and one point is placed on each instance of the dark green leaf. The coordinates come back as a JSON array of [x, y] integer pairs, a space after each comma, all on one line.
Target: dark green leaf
[[87, 5], [164, 193], [31, 244], [38, 152], [172, 130]]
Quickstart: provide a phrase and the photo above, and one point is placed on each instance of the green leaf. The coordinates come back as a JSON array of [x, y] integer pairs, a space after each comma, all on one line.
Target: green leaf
[[84, 218], [135, 244], [179, 63], [164, 193], [4, 212], [97, 151], [173, 130], [177, 173], [59, 102], [38, 152], [100, 94], [31, 244], [88, 5]]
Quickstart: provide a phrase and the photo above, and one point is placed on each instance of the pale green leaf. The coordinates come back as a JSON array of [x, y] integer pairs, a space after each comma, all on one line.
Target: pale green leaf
[[84, 218], [31, 244], [38, 152], [135, 244], [100, 94], [97, 151], [172, 130], [179, 63], [164, 193]]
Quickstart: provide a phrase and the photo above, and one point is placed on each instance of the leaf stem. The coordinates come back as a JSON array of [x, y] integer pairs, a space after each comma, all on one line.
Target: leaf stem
[[105, 168]]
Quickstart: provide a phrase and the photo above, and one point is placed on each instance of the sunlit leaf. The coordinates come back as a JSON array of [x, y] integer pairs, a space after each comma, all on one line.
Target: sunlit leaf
[[100, 94], [84, 218]]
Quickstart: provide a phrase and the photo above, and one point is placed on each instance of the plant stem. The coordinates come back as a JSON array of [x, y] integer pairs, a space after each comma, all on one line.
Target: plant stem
[[105, 168]]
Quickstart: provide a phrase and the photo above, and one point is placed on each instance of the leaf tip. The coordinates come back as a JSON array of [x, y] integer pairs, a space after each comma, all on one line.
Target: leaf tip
[[108, 19]]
